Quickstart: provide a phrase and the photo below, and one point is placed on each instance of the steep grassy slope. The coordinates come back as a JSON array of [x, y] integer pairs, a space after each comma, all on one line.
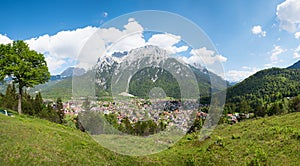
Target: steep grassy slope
[[29, 141], [271, 141]]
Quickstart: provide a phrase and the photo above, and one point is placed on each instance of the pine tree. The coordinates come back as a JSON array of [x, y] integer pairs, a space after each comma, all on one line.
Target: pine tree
[[10, 98], [38, 103], [60, 109]]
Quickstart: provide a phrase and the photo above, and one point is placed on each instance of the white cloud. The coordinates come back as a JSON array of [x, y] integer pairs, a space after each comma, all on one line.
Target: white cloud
[[288, 15], [297, 35], [4, 39], [105, 14], [296, 54], [277, 50], [61, 46], [167, 41], [70, 46], [127, 43], [66, 46], [131, 20], [54, 62], [239, 75], [206, 56], [257, 30]]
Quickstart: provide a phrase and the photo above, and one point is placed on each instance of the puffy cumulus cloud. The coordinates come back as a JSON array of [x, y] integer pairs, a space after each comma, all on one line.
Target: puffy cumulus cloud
[[4, 39], [167, 41], [133, 26], [297, 35], [132, 37], [85, 45], [128, 43], [62, 46], [257, 30], [277, 50], [203, 55], [54, 63], [239, 75], [296, 54], [288, 15]]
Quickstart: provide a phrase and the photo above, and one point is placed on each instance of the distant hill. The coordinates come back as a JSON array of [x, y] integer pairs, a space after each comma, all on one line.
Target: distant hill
[[295, 65], [72, 71], [59, 85], [265, 141], [54, 89], [266, 85]]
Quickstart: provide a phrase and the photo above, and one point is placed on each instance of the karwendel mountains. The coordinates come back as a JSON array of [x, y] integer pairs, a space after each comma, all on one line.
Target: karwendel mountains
[[149, 64], [266, 85]]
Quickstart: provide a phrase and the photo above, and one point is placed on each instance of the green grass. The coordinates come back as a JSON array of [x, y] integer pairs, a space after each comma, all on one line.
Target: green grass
[[30, 141], [265, 141], [52, 89]]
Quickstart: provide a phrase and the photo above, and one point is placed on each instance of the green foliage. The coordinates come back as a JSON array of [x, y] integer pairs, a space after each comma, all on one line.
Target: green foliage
[[38, 103], [9, 100], [112, 120], [95, 123], [59, 109], [50, 114], [265, 141], [268, 85], [54, 89], [70, 121], [33, 106], [141, 83], [260, 158], [265, 92], [295, 104], [26, 67], [28, 104], [197, 125]]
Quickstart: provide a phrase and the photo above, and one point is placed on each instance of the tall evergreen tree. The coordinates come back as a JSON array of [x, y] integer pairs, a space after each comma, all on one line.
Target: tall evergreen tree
[[38, 103], [60, 109], [10, 97]]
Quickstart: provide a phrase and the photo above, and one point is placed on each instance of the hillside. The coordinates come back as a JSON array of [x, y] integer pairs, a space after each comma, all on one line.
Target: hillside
[[271, 141], [53, 89], [295, 66], [30, 141], [267, 85]]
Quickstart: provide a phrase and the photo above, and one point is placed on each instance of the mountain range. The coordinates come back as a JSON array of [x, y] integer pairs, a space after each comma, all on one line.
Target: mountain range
[[136, 72], [158, 70]]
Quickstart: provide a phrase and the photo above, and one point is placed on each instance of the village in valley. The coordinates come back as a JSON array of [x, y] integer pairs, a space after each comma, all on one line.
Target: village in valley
[[170, 112]]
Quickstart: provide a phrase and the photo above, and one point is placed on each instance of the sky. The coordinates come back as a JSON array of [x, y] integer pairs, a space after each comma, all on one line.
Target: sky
[[248, 35]]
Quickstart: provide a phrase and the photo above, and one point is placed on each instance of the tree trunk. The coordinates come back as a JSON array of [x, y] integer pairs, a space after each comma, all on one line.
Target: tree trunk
[[20, 101]]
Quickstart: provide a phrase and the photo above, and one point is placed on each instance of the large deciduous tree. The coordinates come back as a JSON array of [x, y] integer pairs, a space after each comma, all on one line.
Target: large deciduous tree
[[26, 67]]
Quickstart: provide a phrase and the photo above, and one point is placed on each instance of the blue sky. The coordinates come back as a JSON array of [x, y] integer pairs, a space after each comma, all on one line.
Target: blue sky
[[252, 35]]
